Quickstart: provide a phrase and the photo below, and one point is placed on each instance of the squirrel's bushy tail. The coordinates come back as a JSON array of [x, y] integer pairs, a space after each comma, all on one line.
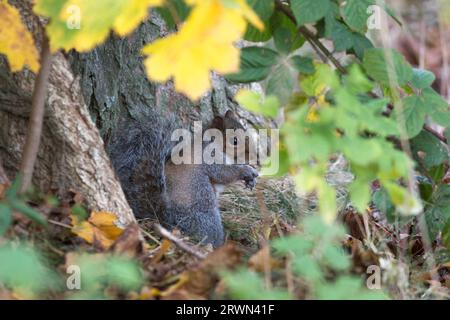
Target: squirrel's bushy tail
[[139, 150]]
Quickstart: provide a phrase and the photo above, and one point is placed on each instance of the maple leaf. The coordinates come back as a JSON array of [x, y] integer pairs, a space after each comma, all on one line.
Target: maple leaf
[[204, 43], [76, 24], [16, 42], [100, 227]]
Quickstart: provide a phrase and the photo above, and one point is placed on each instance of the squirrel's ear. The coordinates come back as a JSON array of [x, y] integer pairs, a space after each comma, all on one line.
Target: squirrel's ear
[[217, 123], [230, 114]]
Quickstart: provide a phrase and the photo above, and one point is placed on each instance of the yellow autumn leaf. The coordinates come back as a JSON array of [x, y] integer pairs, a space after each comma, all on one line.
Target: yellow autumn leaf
[[100, 227], [76, 24], [204, 43], [106, 221], [16, 42]]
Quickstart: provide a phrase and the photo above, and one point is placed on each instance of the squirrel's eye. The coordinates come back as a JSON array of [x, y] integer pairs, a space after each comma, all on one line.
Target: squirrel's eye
[[235, 141]]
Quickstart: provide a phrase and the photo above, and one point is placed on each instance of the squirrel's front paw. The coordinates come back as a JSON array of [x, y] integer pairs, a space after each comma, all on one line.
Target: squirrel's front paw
[[249, 177]]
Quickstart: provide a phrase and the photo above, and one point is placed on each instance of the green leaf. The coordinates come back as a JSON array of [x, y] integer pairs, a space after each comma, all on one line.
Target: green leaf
[[360, 44], [352, 150], [441, 117], [292, 244], [437, 173], [124, 273], [446, 235], [434, 100], [104, 270], [343, 38], [308, 11], [436, 218], [174, 12], [80, 212], [5, 218], [121, 16], [357, 81], [246, 284], [256, 64], [303, 64], [347, 288], [355, 14], [336, 258], [327, 203], [314, 225], [23, 267], [422, 78], [280, 83], [264, 10], [379, 66], [305, 266], [29, 212], [414, 110], [360, 194], [287, 41], [382, 202], [282, 39], [280, 20], [315, 84], [428, 144], [254, 102], [438, 214], [12, 191], [314, 147], [426, 190]]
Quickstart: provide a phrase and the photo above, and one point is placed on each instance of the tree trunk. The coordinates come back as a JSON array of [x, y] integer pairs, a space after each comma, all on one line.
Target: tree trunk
[[71, 156]]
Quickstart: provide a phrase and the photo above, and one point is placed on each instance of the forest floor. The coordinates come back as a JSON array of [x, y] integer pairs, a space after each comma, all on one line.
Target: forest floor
[[176, 267]]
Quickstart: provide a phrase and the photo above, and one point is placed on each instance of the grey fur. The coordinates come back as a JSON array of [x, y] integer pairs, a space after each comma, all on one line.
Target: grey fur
[[138, 152], [182, 196]]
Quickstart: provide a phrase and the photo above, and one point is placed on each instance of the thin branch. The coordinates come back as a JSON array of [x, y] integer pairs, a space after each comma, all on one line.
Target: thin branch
[[310, 35], [178, 242], [34, 132], [435, 133], [60, 224]]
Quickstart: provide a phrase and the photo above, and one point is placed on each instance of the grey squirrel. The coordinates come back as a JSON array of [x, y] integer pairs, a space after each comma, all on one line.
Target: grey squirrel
[[182, 196]]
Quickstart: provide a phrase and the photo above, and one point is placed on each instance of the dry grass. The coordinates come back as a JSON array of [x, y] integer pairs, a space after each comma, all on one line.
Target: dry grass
[[242, 209]]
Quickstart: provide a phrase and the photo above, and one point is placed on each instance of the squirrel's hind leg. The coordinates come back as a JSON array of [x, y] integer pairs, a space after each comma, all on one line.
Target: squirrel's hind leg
[[202, 226]]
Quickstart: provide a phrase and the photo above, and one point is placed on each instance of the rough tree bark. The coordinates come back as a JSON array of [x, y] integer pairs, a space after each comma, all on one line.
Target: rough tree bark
[[115, 86], [71, 156]]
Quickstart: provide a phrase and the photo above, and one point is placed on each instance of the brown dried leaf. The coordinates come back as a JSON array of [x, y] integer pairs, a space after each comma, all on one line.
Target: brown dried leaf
[[199, 280], [361, 256], [262, 260], [163, 248], [130, 242]]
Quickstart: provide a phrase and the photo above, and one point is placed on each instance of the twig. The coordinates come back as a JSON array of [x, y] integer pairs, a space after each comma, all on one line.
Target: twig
[[150, 236], [60, 224], [312, 38], [178, 242], [435, 133], [36, 118], [289, 276]]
